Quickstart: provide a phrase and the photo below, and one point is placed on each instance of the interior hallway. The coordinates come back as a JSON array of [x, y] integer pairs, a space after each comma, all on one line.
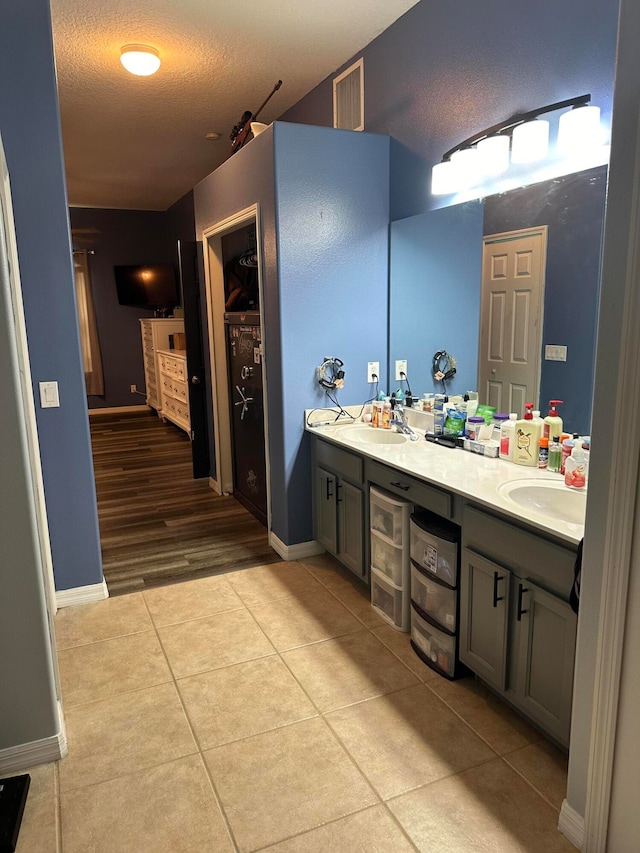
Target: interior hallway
[[157, 524], [271, 709]]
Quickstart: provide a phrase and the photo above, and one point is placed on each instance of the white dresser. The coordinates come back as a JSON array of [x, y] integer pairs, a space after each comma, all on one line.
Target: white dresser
[[172, 384], [155, 337]]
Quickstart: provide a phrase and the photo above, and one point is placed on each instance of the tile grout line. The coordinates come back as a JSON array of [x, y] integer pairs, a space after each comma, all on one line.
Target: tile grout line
[[530, 784], [196, 740]]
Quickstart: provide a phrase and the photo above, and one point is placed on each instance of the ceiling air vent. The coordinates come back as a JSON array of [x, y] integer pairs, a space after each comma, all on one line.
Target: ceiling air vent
[[348, 98]]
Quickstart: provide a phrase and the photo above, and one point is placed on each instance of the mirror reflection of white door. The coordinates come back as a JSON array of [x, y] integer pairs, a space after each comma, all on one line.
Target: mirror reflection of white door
[[513, 272]]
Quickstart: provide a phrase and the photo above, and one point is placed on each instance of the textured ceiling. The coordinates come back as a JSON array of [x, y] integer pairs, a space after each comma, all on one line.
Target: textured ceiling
[[139, 142]]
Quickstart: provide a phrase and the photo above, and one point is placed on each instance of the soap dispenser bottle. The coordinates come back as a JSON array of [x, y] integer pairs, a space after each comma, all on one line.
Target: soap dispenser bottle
[[527, 439], [575, 468], [553, 421]]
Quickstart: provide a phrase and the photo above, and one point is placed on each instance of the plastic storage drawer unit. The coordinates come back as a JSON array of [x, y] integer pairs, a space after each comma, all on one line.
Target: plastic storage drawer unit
[[391, 560], [389, 515], [436, 647], [391, 602], [437, 600], [434, 546]]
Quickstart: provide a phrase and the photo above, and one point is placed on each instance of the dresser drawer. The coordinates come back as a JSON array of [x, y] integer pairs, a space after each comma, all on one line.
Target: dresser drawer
[[339, 461], [416, 491]]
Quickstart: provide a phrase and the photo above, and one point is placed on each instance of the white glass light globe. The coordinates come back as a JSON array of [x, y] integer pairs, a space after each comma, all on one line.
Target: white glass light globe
[[493, 155], [466, 167], [530, 141], [140, 59], [442, 178], [579, 129]]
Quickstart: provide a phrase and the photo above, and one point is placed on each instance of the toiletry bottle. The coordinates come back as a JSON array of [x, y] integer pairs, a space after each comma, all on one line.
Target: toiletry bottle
[[567, 446], [543, 453], [386, 414], [498, 420], [507, 437], [553, 421], [527, 438], [575, 469], [555, 456]]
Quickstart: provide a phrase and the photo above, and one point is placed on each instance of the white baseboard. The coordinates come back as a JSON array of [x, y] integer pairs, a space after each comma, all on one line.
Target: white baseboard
[[571, 824], [82, 594], [294, 552], [25, 755], [118, 410]]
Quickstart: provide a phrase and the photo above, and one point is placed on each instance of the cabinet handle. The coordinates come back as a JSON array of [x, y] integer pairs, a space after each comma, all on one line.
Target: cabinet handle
[[496, 580], [521, 592], [329, 494], [403, 486], [338, 487]]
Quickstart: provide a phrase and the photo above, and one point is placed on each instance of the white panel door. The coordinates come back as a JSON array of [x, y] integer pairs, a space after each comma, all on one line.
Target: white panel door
[[513, 269]]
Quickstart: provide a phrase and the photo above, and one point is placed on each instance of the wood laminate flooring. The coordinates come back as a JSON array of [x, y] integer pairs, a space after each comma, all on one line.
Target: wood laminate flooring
[[157, 524]]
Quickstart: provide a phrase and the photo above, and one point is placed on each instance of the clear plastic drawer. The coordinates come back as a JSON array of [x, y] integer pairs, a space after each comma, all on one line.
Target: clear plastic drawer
[[390, 602], [433, 553], [390, 560], [437, 600], [438, 647], [389, 515]]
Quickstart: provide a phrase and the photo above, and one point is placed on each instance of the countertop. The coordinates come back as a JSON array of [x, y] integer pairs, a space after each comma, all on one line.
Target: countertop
[[477, 478]]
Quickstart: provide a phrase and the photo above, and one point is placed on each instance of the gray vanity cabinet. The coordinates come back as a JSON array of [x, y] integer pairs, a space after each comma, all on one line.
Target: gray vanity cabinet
[[517, 630], [484, 610], [339, 507]]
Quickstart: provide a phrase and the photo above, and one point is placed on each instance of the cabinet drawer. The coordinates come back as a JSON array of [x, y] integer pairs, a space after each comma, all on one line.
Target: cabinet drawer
[[389, 516], [390, 602], [390, 560], [528, 553], [435, 599], [438, 647], [340, 461], [404, 486]]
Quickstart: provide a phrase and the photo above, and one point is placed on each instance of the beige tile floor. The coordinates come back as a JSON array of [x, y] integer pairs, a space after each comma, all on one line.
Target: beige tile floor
[[272, 709]]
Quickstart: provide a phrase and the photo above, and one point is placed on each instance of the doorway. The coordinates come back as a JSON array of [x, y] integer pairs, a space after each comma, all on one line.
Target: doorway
[[221, 241], [511, 309]]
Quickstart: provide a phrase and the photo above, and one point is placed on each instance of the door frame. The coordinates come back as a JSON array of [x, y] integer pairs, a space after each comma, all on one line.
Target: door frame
[[212, 236], [505, 237]]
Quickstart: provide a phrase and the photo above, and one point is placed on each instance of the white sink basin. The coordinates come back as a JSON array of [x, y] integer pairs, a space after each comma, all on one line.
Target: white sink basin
[[369, 435], [547, 497]]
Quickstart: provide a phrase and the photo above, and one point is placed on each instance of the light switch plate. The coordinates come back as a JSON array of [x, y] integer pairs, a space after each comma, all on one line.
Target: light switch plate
[[373, 371], [401, 368], [555, 353], [49, 398]]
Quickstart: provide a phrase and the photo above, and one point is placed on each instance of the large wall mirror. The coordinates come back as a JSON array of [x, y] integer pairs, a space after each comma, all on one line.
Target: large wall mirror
[[465, 279]]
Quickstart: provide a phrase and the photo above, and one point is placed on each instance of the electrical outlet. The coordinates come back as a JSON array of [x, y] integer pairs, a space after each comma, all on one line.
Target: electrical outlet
[[401, 368], [133, 389], [373, 371]]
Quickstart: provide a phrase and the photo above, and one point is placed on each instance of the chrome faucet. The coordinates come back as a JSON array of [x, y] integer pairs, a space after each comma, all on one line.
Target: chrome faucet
[[398, 421]]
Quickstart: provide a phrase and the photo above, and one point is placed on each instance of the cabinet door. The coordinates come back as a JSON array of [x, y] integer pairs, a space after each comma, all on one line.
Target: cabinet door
[[546, 652], [484, 595], [350, 528], [326, 519]]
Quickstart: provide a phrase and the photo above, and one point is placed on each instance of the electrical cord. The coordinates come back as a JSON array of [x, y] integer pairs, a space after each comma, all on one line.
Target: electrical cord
[[339, 411], [404, 376], [443, 367]]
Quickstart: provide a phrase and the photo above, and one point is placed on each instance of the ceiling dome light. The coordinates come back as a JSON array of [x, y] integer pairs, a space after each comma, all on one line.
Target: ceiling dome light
[[530, 141], [493, 155], [579, 129], [140, 59]]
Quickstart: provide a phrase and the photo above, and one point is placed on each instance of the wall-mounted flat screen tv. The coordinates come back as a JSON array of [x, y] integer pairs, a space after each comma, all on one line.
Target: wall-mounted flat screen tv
[[147, 285]]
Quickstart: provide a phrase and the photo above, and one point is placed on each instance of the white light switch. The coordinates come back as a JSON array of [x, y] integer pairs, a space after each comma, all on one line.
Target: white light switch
[[49, 395], [555, 353]]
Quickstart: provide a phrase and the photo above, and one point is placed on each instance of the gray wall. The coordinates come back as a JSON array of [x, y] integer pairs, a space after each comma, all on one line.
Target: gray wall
[[29, 123]]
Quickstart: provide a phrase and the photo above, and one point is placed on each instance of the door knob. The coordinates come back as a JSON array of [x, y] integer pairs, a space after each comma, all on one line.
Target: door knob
[[493, 371], [195, 380]]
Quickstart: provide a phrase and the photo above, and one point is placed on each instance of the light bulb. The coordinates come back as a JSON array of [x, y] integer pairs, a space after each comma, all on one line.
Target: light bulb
[[140, 59], [530, 141], [493, 155], [579, 129]]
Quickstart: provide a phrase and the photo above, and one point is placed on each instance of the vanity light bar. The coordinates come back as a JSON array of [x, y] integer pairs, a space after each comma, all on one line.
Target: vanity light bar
[[524, 135]]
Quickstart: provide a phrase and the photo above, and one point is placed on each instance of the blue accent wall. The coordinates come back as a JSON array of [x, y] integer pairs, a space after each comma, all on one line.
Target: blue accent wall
[[30, 127], [572, 208], [120, 237], [324, 207], [441, 73], [435, 276]]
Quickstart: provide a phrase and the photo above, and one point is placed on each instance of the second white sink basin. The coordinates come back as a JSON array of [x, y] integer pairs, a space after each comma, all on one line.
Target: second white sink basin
[[369, 435], [547, 497]]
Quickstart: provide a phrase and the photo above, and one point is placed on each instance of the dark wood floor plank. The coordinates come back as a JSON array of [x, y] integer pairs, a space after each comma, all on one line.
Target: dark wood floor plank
[[157, 524]]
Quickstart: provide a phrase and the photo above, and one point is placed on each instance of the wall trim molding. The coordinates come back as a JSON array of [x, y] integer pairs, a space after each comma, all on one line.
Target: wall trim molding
[[25, 755], [294, 552], [571, 825], [82, 594], [117, 410]]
